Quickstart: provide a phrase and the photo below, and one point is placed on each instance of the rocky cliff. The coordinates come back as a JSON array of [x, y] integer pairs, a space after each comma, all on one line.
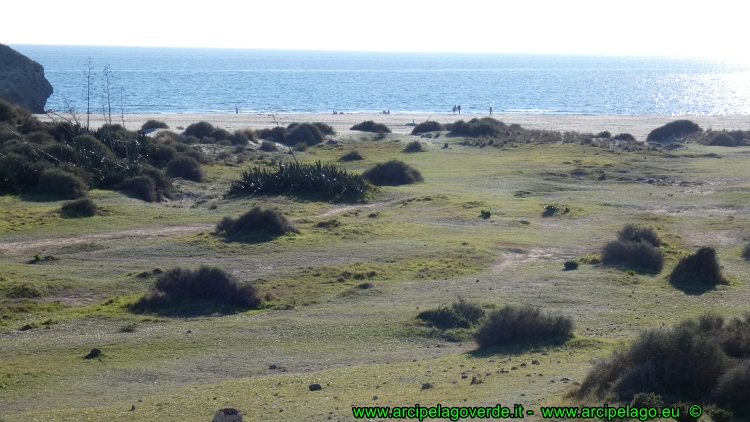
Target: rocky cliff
[[22, 80]]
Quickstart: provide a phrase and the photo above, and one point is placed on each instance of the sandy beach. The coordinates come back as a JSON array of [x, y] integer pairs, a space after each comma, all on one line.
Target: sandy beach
[[637, 125]]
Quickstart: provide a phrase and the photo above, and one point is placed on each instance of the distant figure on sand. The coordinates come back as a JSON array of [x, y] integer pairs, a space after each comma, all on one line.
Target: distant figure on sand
[[335, 112], [459, 108], [490, 111], [236, 110], [454, 109]]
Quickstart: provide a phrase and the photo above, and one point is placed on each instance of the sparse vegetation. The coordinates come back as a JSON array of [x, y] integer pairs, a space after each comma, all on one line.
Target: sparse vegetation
[[393, 173], [485, 126], [200, 130], [55, 181], [624, 137], [268, 146], [512, 325], [305, 133], [674, 129], [571, 265], [205, 287], [633, 233], [371, 126]]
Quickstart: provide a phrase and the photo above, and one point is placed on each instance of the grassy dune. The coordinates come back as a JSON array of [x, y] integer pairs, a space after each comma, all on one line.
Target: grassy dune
[[419, 246]]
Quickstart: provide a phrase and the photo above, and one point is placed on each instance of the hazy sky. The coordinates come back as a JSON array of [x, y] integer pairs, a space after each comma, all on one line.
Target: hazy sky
[[633, 27]]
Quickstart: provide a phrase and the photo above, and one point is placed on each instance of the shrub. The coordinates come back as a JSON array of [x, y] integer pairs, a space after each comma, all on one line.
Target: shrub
[[301, 146], [393, 173], [485, 126], [701, 268], [185, 167], [414, 146], [722, 140], [633, 233], [305, 133], [257, 220], [687, 362], [746, 251], [733, 388], [57, 182], [268, 146], [82, 207], [485, 214], [673, 130], [200, 130], [571, 265], [154, 124], [324, 128], [604, 135], [242, 137], [6, 111], [180, 286], [142, 187], [277, 134], [461, 314], [352, 155], [633, 254], [624, 137], [159, 154], [371, 126], [326, 180], [428, 126], [18, 174], [522, 325]]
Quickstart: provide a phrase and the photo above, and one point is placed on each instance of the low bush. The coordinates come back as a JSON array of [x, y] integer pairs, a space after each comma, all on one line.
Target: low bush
[[142, 187], [256, 220], [461, 314], [571, 265], [242, 137], [154, 124], [624, 137], [371, 126], [722, 140], [54, 181], [673, 130], [180, 286], [428, 126], [186, 168], [414, 146], [352, 155], [277, 134], [701, 268], [633, 254], [393, 173], [746, 251], [81, 207], [633, 233], [604, 135], [301, 147], [485, 126], [326, 180], [693, 361], [160, 154], [305, 133], [524, 325], [200, 130], [324, 128], [268, 146]]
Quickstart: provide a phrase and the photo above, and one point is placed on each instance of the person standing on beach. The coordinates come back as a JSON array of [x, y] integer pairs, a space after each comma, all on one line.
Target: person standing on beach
[[454, 109], [459, 108], [490, 111]]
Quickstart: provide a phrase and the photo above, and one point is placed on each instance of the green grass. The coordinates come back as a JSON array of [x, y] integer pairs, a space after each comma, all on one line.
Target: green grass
[[424, 246]]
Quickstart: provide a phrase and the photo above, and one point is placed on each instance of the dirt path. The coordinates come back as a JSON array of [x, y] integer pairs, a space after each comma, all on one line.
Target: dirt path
[[143, 233], [151, 232]]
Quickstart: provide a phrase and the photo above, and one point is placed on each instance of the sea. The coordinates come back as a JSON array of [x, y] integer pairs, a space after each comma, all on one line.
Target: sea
[[187, 80]]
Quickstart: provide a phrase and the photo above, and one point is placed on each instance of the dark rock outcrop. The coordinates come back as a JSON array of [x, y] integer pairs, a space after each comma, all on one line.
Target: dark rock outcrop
[[22, 80]]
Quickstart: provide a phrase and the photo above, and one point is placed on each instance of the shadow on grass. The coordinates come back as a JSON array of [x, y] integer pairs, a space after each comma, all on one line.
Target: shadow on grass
[[691, 288], [188, 309], [514, 349], [248, 239]]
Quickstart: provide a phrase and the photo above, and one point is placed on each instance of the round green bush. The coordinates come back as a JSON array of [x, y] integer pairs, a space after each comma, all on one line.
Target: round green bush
[[352, 155], [186, 168], [371, 126], [305, 133], [393, 173], [257, 220], [522, 325], [673, 129], [200, 130], [57, 182], [154, 124], [81, 207], [425, 127]]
